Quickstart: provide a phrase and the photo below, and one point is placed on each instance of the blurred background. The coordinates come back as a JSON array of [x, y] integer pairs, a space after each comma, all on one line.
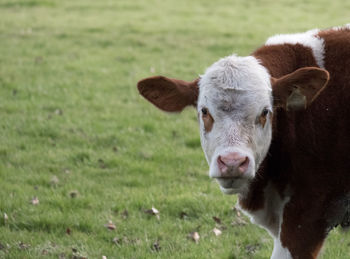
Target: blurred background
[[87, 167]]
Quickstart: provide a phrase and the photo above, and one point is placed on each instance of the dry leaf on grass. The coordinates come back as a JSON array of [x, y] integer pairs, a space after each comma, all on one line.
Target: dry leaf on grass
[[183, 215], [74, 194], [217, 220], [155, 246], [145, 155], [251, 249], [35, 201], [38, 59], [117, 241], [194, 236], [125, 240], [77, 255], [101, 163], [217, 232], [54, 180], [125, 214], [239, 222], [236, 210], [135, 241], [153, 211], [23, 246], [58, 112], [110, 225]]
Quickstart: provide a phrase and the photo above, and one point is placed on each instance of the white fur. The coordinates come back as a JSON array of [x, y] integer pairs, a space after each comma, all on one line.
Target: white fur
[[271, 218], [239, 73], [344, 27], [308, 39], [280, 252], [235, 90]]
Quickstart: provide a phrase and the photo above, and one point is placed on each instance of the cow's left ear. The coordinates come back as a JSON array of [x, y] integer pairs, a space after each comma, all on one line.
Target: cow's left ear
[[169, 94], [297, 90]]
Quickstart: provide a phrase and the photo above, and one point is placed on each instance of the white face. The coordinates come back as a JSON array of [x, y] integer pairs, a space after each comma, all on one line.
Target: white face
[[235, 117]]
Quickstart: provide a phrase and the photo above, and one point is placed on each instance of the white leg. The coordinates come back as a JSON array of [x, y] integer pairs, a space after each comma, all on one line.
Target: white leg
[[280, 252]]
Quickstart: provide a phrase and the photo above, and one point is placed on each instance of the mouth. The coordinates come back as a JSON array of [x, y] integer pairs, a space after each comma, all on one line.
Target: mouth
[[232, 185], [226, 182]]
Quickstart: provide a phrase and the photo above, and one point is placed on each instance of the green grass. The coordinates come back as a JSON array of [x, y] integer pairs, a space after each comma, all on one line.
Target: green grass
[[69, 109]]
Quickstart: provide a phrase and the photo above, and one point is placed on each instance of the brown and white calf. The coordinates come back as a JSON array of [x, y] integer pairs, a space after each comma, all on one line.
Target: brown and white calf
[[275, 129]]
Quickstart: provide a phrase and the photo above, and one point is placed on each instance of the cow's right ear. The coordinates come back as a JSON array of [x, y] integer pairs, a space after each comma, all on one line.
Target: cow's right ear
[[297, 90], [171, 95]]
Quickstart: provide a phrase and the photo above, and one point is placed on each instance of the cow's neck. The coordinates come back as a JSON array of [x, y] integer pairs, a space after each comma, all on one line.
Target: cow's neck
[[269, 173], [266, 197]]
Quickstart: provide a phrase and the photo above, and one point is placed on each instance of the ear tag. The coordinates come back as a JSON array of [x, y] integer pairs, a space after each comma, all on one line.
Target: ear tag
[[296, 101]]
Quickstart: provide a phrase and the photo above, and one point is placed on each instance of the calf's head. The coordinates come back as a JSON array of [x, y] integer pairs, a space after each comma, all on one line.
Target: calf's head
[[235, 100]]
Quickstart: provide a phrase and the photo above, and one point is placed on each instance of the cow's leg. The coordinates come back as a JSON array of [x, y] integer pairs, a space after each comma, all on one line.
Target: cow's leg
[[303, 231], [280, 252]]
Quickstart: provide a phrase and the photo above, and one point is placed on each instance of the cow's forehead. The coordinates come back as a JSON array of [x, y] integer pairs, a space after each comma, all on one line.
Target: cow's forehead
[[233, 82], [230, 100], [240, 73]]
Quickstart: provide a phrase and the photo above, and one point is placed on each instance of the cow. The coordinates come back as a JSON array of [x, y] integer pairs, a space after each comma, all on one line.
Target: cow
[[275, 130]]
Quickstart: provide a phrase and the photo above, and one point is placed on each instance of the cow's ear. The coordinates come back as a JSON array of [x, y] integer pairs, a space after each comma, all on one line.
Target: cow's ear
[[171, 95], [297, 90]]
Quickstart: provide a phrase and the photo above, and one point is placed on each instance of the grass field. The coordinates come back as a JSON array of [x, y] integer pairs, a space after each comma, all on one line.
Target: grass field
[[77, 137]]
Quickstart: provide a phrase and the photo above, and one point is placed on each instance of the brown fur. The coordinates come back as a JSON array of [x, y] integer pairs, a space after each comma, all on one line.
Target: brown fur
[[283, 59], [169, 94], [208, 122], [309, 150], [262, 120]]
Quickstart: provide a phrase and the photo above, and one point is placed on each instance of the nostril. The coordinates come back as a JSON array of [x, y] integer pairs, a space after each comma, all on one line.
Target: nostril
[[222, 166], [232, 164], [243, 165]]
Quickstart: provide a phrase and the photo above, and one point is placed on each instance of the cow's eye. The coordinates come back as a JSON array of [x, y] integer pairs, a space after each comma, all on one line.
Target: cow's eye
[[263, 117], [264, 112], [204, 111], [208, 120]]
